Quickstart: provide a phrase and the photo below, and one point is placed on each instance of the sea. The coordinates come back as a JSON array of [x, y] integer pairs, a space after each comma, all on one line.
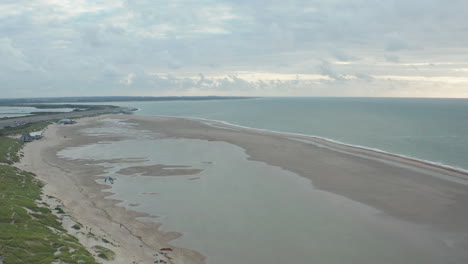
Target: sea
[[237, 210], [433, 130]]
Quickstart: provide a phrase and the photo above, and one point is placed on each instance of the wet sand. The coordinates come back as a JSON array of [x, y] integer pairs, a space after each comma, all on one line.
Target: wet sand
[[159, 170], [406, 189], [74, 184]]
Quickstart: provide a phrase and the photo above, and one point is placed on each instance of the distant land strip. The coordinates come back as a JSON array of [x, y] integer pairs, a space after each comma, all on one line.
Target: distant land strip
[[117, 99], [24, 120]]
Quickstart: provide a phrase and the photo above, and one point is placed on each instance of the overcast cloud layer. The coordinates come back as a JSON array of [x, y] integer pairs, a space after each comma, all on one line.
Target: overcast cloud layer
[[234, 47]]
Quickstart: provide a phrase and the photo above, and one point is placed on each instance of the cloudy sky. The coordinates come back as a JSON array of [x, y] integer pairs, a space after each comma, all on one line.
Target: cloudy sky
[[402, 48]]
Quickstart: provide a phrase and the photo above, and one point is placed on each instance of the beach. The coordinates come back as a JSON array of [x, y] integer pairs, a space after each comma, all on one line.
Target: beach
[[408, 190], [84, 200]]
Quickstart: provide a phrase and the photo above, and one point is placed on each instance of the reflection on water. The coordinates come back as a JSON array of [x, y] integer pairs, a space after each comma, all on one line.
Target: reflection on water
[[237, 210]]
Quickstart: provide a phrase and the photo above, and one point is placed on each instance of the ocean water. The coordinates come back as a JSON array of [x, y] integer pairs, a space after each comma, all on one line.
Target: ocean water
[[434, 130], [239, 210]]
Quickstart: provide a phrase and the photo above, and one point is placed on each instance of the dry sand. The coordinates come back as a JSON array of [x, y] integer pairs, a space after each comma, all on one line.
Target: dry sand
[[403, 188]]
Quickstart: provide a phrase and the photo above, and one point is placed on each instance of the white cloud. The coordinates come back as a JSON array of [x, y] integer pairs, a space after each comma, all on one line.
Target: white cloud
[[435, 79], [461, 70], [317, 47]]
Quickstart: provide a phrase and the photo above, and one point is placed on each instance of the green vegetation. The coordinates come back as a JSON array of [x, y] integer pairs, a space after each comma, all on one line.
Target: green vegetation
[[90, 234], [59, 210], [30, 127], [104, 253], [29, 231], [9, 148]]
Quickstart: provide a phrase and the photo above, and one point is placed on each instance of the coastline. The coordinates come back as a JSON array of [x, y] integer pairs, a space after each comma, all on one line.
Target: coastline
[[443, 166], [394, 169], [400, 191], [85, 201]]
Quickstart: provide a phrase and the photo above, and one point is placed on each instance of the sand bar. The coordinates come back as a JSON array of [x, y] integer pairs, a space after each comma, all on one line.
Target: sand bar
[[159, 170], [403, 188]]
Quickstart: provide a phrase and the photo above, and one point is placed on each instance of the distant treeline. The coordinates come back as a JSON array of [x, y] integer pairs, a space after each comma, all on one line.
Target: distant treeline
[[116, 99], [55, 106]]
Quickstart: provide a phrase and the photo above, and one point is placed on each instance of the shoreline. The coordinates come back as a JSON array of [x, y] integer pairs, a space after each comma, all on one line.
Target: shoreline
[[86, 199], [331, 141], [261, 146], [395, 168]]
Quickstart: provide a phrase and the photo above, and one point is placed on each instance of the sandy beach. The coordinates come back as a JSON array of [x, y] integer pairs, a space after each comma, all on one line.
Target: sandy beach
[[84, 200], [405, 189]]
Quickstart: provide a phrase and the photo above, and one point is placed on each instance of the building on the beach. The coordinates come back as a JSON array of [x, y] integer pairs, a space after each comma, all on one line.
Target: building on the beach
[[66, 121], [26, 137], [36, 134]]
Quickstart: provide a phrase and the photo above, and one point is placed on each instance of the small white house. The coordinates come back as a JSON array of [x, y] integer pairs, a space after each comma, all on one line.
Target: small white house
[[66, 121], [28, 137], [36, 134]]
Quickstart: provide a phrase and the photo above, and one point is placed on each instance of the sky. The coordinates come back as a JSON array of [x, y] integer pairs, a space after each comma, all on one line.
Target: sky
[[363, 48]]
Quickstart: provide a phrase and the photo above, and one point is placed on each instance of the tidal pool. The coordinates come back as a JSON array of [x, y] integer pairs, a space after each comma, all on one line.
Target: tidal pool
[[240, 210]]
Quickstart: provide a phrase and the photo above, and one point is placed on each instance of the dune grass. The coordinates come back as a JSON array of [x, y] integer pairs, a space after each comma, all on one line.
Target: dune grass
[[30, 232], [9, 148], [29, 127], [104, 253]]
